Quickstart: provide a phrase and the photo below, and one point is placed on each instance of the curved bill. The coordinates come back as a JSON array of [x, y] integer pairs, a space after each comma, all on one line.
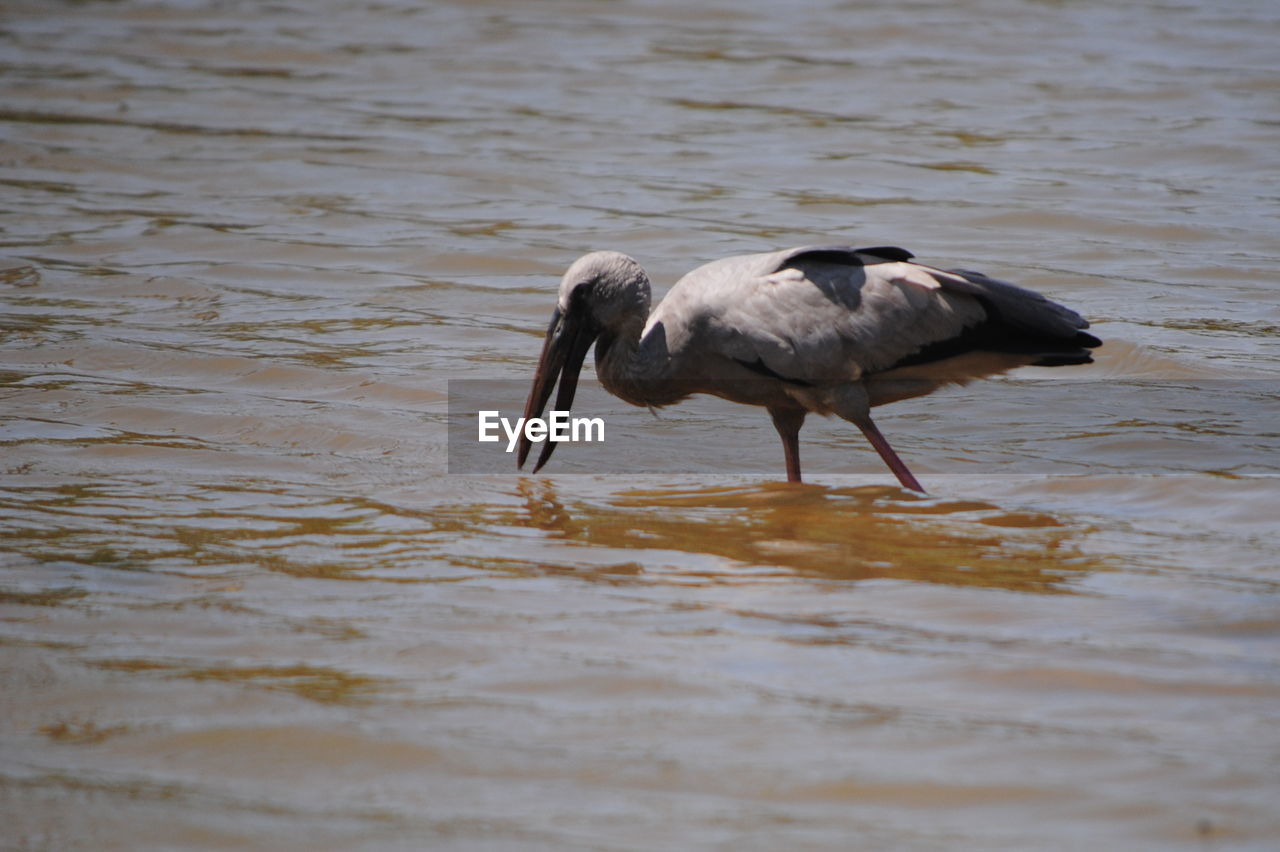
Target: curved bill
[[569, 336]]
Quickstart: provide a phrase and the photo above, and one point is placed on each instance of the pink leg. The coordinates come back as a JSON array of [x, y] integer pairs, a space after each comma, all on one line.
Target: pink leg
[[890, 457], [788, 422]]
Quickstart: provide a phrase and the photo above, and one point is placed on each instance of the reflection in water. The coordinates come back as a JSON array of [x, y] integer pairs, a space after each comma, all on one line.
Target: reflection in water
[[779, 530], [734, 533], [315, 683]]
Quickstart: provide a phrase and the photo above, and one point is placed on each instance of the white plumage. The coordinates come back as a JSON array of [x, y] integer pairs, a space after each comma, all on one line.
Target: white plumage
[[822, 329]]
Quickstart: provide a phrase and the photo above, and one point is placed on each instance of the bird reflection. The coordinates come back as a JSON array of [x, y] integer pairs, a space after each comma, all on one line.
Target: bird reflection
[[774, 531]]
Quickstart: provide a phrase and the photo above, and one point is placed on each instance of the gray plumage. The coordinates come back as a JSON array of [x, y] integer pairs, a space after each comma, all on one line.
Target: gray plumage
[[822, 329]]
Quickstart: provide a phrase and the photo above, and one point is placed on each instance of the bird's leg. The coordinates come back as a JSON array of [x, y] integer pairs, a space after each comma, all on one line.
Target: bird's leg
[[890, 457], [788, 422]]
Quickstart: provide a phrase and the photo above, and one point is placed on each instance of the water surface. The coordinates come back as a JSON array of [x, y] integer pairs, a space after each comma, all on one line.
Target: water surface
[[243, 603]]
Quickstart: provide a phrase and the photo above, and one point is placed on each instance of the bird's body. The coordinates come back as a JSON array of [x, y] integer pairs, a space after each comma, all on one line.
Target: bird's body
[[816, 329]]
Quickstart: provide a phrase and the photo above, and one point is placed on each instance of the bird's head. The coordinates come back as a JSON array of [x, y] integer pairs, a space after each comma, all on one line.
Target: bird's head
[[604, 292], [609, 286]]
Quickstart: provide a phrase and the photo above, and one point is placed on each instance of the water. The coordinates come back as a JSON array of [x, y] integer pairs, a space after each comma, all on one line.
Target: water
[[243, 604]]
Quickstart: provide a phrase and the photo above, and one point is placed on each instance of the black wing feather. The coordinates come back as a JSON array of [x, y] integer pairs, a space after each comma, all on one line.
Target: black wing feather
[[844, 255]]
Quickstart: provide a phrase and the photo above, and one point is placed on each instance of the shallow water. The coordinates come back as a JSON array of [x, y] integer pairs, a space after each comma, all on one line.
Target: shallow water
[[247, 249]]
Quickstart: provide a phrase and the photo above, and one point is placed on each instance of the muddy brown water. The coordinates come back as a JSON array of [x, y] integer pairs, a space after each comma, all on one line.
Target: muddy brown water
[[244, 604]]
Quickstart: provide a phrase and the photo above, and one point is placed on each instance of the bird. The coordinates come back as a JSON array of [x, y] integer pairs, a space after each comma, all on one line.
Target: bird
[[818, 329]]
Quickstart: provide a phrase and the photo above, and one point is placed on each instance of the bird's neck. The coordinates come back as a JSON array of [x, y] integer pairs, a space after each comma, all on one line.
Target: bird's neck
[[635, 366]]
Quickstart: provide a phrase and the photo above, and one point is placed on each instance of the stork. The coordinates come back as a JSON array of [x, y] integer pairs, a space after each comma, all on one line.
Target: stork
[[829, 330]]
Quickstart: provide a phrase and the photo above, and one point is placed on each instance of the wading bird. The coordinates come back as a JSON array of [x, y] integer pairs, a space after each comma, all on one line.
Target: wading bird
[[821, 329]]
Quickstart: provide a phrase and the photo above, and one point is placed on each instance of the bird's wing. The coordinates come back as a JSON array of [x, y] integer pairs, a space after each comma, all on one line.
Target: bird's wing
[[1016, 307], [818, 314], [826, 313]]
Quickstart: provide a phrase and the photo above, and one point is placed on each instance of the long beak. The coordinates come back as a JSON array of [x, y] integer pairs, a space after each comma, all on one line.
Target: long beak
[[569, 337]]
